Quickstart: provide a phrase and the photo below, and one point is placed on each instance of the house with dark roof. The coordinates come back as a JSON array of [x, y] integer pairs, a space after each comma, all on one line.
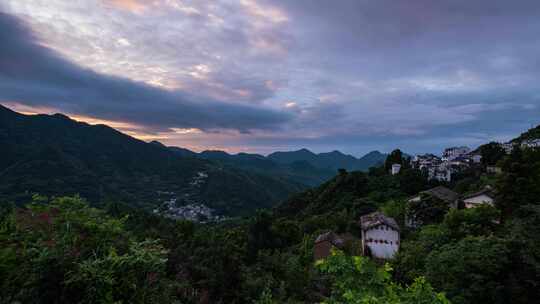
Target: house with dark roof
[[324, 244], [441, 193], [380, 236], [485, 196]]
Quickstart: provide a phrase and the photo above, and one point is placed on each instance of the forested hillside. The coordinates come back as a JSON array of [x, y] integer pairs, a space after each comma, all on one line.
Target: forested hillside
[[54, 156], [331, 160], [59, 250], [300, 171]]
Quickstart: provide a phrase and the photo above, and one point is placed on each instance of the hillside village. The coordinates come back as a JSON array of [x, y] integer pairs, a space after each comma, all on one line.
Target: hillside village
[[458, 159], [469, 238], [380, 234]]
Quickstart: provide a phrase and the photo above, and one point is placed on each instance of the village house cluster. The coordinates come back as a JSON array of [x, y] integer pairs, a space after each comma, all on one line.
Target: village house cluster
[[380, 239], [380, 234], [453, 160], [451, 199]]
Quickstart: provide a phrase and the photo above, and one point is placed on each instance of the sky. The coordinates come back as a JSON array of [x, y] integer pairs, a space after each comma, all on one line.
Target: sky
[[261, 76]]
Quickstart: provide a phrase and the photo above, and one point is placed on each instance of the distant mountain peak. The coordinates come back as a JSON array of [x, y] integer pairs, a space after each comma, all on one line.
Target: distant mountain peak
[[157, 143], [374, 152], [216, 152], [61, 116], [304, 150], [7, 111], [329, 160]]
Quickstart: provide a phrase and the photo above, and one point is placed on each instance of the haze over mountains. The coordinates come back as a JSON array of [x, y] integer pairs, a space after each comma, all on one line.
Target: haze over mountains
[[55, 155], [334, 160], [302, 166]]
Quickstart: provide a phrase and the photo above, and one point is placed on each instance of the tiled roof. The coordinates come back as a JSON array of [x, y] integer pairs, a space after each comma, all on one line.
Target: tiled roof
[[483, 192], [442, 193], [375, 219], [330, 237]]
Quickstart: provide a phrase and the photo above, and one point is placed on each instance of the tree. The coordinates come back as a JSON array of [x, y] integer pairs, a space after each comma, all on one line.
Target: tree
[[395, 157], [473, 270], [412, 181], [524, 236], [67, 252], [357, 280], [427, 210], [519, 184], [491, 153]]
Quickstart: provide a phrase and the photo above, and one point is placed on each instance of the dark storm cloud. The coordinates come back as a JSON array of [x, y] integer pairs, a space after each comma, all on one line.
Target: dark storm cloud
[[353, 75], [34, 75]]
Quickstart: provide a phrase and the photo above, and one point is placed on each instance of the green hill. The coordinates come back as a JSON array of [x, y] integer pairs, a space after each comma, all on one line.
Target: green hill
[[53, 155], [332, 160]]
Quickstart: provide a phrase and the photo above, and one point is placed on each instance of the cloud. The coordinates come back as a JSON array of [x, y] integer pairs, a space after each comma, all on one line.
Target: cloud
[[351, 75], [134, 6], [32, 74]]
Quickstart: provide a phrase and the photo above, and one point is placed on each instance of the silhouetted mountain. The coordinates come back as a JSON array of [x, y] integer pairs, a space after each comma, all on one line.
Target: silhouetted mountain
[[373, 159], [54, 155], [332, 160], [533, 133], [301, 172]]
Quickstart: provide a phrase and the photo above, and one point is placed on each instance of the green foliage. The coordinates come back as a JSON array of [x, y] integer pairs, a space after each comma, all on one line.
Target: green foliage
[[395, 157], [135, 275], [473, 270], [481, 220], [63, 251], [66, 251], [427, 210], [411, 181], [524, 236], [410, 261], [56, 156], [358, 280], [491, 153], [519, 184], [533, 133], [397, 209]]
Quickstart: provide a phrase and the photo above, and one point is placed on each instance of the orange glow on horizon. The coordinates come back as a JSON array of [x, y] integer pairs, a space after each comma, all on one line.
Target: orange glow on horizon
[[194, 139]]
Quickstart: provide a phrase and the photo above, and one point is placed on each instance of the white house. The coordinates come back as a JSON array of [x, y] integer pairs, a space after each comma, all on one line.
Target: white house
[[395, 169], [380, 236], [493, 170], [451, 153], [478, 198], [441, 173], [476, 158], [508, 147], [532, 143]]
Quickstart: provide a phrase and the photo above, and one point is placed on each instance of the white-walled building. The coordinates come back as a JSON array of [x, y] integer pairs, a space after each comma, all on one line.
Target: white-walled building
[[532, 143], [476, 158], [395, 169], [380, 236], [478, 198], [451, 153], [508, 147]]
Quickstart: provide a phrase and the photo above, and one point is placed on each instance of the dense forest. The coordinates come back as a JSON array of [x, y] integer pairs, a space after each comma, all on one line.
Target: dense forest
[[55, 155], [208, 152], [61, 250]]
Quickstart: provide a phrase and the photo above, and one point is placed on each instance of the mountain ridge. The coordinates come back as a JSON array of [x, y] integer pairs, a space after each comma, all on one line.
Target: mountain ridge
[[333, 160], [54, 155]]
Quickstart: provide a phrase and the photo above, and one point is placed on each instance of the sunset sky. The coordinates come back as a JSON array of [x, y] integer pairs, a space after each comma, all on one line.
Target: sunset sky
[[261, 76]]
